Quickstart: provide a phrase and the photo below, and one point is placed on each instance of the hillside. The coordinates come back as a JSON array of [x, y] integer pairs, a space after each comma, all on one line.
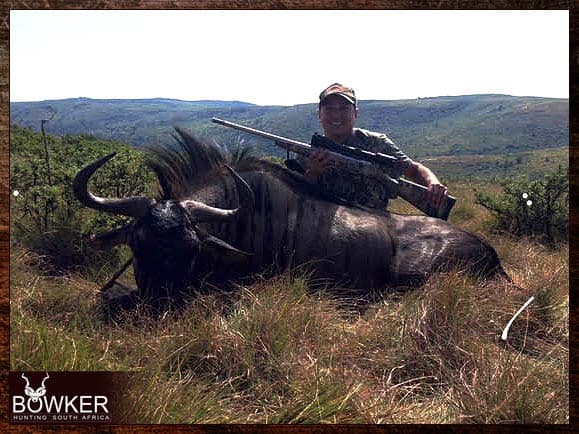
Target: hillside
[[286, 349], [533, 164], [424, 127]]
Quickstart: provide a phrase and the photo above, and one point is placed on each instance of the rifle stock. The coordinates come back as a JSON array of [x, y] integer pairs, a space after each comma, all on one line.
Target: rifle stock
[[416, 195], [413, 193]]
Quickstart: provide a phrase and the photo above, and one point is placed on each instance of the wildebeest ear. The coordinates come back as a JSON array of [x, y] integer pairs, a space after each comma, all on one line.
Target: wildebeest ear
[[108, 240], [220, 249]]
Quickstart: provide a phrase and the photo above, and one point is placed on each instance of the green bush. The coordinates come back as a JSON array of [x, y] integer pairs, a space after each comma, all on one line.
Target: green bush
[[539, 209], [47, 218]]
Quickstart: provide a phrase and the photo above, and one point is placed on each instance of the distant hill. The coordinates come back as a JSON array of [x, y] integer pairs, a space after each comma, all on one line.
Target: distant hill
[[533, 164], [424, 127]]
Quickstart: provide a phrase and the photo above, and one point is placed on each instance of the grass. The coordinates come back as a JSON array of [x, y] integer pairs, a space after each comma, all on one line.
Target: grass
[[277, 352], [533, 164], [470, 217]]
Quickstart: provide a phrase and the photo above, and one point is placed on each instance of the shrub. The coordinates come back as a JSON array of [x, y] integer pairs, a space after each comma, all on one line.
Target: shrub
[[539, 209], [45, 215]]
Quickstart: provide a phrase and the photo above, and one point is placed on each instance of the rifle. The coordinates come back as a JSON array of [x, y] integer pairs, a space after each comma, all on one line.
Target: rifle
[[361, 160]]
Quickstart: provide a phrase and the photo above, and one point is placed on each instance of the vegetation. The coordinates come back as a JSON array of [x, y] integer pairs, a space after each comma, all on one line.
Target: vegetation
[[539, 209], [46, 216], [425, 127], [277, 351], [534, 164]]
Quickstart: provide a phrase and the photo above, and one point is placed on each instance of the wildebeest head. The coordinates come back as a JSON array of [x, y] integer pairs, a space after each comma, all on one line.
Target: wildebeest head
[[165, 236]]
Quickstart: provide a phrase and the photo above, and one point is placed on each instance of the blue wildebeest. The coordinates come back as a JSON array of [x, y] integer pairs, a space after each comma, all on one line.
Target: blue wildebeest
[[217, 223]]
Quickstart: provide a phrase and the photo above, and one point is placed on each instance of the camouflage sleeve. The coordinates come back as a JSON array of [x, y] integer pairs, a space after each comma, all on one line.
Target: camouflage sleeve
[[370, 190]]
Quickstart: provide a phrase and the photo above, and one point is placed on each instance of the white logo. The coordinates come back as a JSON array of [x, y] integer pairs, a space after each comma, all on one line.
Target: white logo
[[35, 395], [37, 405]]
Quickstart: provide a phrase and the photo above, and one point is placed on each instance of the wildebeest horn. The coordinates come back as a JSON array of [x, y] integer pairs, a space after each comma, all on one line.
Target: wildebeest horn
[[135, 206], [201, 212]]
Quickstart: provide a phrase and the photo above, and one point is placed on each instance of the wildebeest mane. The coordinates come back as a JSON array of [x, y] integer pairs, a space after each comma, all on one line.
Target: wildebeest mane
[[182, 164], [187, 164]]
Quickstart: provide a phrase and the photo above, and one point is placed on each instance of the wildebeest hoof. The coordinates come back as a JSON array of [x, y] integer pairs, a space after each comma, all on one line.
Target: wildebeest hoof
[[120, 296]]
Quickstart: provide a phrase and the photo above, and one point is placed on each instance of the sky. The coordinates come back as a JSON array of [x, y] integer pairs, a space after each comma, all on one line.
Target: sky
[[286, 57]]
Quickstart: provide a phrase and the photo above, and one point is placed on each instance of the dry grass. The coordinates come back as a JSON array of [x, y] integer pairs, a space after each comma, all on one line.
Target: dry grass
[[471, 217], [275, 352]]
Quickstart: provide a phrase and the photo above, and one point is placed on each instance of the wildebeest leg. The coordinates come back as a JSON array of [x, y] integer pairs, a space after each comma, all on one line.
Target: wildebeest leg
[[116, 295], [119, 296]]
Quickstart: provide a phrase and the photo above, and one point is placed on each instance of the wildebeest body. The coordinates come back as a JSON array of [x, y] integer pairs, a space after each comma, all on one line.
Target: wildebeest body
[[288, 225], [291, 226]]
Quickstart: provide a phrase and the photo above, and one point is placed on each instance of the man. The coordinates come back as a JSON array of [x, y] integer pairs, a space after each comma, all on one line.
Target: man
[[338, 113]]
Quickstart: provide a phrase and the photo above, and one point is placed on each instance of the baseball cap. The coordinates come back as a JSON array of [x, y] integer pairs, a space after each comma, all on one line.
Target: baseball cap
[[339, 89]]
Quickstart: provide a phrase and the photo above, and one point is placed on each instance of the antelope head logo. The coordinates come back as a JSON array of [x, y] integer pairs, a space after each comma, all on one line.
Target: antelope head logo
[[35, 395]]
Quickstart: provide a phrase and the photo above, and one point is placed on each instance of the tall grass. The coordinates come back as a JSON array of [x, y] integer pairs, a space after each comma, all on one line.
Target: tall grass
[[278, 352]]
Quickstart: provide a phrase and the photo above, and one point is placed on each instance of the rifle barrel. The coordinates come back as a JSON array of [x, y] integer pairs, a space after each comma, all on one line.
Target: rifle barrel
[[289, 144], [409, 191], [279, 139]]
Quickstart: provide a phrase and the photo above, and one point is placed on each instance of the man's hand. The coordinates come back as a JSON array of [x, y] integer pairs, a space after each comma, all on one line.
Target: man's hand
[[436, 193], [421, 174], [318, 162]]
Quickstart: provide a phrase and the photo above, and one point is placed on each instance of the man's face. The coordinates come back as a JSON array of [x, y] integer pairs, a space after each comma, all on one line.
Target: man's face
[[338, 118]]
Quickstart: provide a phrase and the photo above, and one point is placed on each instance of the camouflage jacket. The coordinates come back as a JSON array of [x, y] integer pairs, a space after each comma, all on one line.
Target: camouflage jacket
[[368, 189]]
